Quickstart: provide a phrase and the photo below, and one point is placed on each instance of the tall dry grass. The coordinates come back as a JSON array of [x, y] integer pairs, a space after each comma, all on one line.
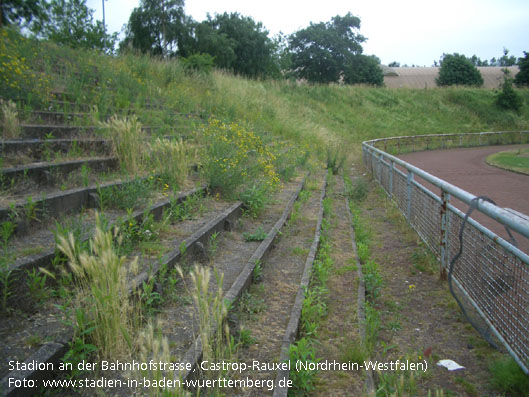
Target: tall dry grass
[[128, 142], [153, 346], [171, 159], [10, 124], [102, 291], [212, 312]]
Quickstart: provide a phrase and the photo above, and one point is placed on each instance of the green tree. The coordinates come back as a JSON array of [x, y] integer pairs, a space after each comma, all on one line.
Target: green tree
[[363, 69], [456, 69], [329, 52], [157, 27], [71, 22], [508, 98], [477, 61], [21, 11], [237, 43], [504, 60], [522, 78]]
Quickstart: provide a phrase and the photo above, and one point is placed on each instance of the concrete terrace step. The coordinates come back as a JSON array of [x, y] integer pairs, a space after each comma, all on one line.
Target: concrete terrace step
[[35, 147], [51, 352], [49, 173]]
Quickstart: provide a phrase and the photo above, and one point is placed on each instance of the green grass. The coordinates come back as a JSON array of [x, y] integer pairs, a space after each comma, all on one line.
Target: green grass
[[512, 160], [508, 378], [314, 116]]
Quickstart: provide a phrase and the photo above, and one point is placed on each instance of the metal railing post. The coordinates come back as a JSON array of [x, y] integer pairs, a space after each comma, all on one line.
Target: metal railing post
[[445, 230], [391, 166], [408, 195], [373, 162], [379, 169]]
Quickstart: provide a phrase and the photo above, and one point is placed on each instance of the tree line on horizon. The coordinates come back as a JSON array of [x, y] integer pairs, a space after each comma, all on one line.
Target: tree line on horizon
[[324, 52]]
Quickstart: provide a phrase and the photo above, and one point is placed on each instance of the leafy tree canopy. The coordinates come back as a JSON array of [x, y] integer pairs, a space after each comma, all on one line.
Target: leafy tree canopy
[[504, 60], [456, 69], [237, 43], [332, 51], [522, 78], [21, 11], [71, 22], [156, 27]]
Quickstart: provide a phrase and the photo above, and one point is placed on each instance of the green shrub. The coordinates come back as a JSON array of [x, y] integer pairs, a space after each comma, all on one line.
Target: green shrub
[[507, 98], [254, 199], [456, 69], [198, 63], [236, 158], [302, 380]]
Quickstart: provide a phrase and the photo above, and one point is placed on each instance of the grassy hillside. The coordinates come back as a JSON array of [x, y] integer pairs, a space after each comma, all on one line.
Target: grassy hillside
[[310, 113], [130, 143]]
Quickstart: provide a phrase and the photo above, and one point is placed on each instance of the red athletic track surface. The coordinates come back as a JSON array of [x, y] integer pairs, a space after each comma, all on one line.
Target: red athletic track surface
[[466, 168]]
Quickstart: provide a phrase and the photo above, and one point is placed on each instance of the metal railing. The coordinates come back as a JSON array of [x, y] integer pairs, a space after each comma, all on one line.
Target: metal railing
[[491, 275]]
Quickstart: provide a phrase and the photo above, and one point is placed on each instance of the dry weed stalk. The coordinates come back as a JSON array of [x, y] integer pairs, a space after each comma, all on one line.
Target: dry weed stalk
[[102, 291], [171, 158], [128, 142], [10, 125], [217, 344], [153, 346]]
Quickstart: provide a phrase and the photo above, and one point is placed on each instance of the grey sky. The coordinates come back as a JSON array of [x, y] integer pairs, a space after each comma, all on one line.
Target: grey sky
[[407, 31]]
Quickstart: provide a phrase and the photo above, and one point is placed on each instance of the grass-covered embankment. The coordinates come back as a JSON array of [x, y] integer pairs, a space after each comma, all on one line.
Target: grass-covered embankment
[[309, 113]]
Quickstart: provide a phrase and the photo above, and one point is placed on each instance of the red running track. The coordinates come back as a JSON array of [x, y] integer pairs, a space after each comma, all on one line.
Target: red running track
[[467, 169]]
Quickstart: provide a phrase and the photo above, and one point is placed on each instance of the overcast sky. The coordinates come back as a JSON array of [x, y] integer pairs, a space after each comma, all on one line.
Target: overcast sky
[[412, 32]]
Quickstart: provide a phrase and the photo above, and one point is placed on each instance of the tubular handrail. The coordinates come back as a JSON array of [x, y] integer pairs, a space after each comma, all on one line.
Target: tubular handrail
[[493, 275], [499, 214]]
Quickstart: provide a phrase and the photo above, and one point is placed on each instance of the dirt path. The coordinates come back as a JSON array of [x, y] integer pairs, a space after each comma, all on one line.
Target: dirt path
[[265, 311], [419, 319], [338, 334], [467, 169]]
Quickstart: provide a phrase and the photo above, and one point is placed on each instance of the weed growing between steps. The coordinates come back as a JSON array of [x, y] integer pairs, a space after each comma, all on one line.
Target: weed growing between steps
[[314, 306], [169, 159], [153, 346], [10, 123], [108, 320], [7, 230], [103, 308], [399, 383], [238, 164]]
